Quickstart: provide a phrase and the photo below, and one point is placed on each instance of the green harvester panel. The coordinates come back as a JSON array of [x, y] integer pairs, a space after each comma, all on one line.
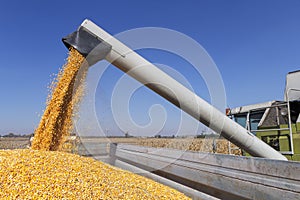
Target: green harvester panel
[[298, 127], [284, 143], [283, 137]]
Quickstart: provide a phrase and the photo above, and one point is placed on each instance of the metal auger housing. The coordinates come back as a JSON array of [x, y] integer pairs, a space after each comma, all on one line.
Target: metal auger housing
[[89, 45]]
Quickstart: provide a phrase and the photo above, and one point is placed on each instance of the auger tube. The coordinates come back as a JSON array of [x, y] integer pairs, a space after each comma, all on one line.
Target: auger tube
[[152, 77]]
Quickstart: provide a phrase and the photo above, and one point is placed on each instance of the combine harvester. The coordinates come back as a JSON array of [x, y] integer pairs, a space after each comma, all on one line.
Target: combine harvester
[[267, 175]]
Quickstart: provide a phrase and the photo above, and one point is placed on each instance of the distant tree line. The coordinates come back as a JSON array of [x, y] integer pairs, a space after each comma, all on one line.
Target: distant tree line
[[17, 135]]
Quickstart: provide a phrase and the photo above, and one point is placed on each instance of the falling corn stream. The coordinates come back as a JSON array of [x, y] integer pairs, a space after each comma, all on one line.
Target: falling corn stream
[[67, 89], [45, 172]]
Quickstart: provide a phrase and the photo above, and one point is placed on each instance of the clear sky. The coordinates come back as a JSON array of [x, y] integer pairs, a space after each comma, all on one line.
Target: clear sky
[[254, 44]]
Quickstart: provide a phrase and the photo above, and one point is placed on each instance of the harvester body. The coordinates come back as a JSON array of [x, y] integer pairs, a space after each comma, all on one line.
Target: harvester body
[[277, 123]]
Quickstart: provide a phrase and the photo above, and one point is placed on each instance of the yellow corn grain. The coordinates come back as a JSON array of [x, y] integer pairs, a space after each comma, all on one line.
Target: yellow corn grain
[[37, 174], [66, 92]]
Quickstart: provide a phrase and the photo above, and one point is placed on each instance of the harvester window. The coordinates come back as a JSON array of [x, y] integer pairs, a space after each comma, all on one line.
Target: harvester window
[[241, 119], [255, 119]]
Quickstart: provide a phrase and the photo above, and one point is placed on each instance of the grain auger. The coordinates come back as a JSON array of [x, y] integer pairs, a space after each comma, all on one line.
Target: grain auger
[[96, 44]]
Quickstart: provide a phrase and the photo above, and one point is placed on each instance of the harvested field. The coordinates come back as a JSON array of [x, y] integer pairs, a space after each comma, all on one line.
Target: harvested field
[[190, 144], [187, 144], [14, 142]]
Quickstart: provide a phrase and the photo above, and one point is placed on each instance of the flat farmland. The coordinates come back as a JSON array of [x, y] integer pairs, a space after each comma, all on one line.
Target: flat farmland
[[14, 142], [188, 144]]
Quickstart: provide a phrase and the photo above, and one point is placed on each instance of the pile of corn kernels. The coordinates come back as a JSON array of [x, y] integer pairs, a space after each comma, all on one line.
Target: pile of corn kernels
[[37, 174]]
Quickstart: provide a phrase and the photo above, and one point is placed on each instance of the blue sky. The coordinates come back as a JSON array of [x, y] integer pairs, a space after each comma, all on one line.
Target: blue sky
[[254, 44]]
